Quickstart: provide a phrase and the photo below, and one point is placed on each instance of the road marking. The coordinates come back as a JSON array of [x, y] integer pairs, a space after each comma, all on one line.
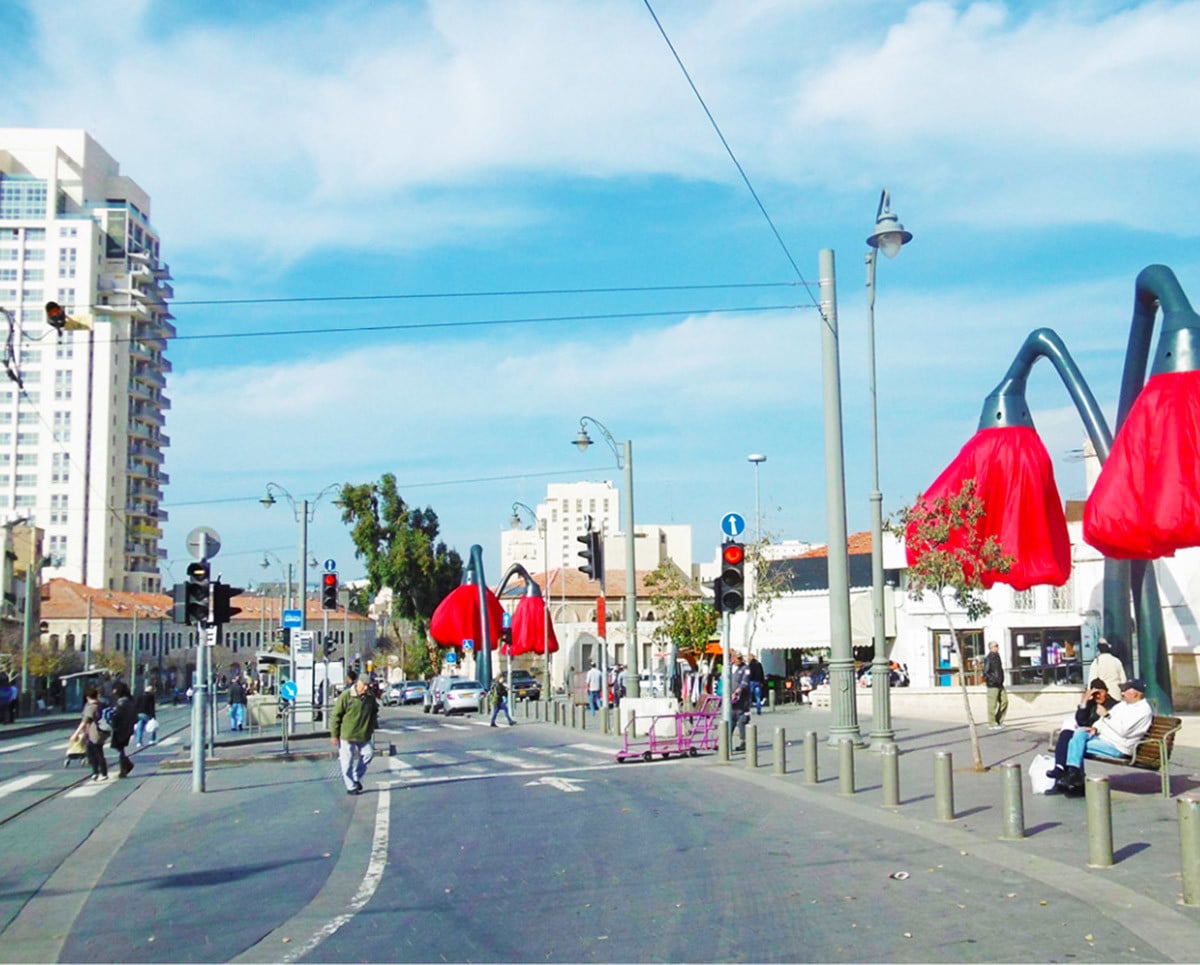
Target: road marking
[[567, 784], [596, 749], [507, 759], [9, 748], [168, 742], [20, 783], [89, 789], [366, 891], [451, 726], [433, 757]]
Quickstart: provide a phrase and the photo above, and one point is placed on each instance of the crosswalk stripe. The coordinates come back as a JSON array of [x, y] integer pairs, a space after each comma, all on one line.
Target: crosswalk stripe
[[506, 759], [596, 749], [9, 748], [433, 757], [20, 783], [90, 789]]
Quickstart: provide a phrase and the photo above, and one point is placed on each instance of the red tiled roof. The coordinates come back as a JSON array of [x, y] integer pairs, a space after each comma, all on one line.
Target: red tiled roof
[[857, 544]]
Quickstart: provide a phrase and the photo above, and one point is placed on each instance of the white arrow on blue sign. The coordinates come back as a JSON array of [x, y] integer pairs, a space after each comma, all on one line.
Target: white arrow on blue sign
[[330, 566], [732, 525], [287, 690]]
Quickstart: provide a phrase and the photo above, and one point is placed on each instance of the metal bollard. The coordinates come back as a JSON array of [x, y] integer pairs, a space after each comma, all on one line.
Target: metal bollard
[[771, 699], [943, 784], [890, 757], [1014, 804], [1099, 821], [583, 719], [752, 745], [846, 766], [574, 712], [780, 752], [604, 722], [810, 758], [1188, 809], [632, 725], [723, 742]]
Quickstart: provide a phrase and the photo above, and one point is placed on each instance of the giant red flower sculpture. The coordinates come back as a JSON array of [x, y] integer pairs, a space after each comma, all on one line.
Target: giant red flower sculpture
[[529, 627], [457, 617], [1015, 481], [1146, 502]]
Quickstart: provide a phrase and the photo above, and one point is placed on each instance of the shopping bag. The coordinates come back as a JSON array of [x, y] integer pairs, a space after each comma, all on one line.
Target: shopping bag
[[151, 727], [76, 747], [1038, 781]]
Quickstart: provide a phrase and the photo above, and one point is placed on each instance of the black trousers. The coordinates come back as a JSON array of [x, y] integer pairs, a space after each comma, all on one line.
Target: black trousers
[[95, 754]]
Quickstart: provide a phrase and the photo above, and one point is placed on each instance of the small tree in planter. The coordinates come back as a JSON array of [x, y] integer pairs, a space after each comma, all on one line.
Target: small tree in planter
[[947, 552]]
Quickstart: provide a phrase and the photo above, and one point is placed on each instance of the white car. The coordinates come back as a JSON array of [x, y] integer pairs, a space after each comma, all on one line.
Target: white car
[[652, 684], [463, 695]]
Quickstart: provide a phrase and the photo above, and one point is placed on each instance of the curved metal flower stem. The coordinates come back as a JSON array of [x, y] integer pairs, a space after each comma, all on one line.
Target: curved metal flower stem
[[473, 575], [531, 587]]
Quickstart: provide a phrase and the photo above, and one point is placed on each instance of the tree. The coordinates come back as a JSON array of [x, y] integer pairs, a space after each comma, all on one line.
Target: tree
[[685, 618], [767, 582], [950, 554], [400, 547]]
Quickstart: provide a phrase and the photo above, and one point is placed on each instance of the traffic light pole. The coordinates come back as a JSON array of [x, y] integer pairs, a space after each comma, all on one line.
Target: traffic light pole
[[200, 705]]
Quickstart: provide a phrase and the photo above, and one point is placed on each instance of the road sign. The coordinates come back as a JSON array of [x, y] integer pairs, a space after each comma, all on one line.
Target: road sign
[[330, 566], [287, 690], [210, 636], [468, 645], [451, 657], [203, 543], [732, 525], [292, 619], [506, 622]]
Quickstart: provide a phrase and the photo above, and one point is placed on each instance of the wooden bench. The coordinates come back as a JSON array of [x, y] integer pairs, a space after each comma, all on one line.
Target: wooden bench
[[1152, 752]]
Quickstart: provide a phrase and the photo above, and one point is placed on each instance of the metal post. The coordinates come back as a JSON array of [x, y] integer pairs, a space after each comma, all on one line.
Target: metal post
[[810, 758], [632, 657], [31, 584], [780, 749], [841, 662], [723, 742], [752, 746], [133, 656], [199, 716], [771, 699], [891, 774], [943, 785], [1099, 822], [1014, 803], [846, 766], [1188, 811], [302, 579]]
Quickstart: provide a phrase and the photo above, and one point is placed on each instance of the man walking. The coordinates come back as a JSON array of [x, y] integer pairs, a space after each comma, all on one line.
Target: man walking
[[144, 705], [500, 696], [757, 680], [237, 705], [355, 716], [594, 680], [993, 677]]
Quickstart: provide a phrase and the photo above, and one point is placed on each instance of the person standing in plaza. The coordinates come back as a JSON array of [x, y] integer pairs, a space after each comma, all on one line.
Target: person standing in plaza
[[1107, 666], [237, 705], [351, 728], [595, 680], [758, 680], [124, 719], [90, 733], [993, 678]]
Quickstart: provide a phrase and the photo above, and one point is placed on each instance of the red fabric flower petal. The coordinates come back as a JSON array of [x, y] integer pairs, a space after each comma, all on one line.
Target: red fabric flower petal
[[1014, 479], [1146, 503], [529, 627], [457, 618]]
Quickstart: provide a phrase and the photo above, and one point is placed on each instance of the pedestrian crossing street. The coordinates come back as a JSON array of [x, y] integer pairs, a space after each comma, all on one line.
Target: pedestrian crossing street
[[469, 763]]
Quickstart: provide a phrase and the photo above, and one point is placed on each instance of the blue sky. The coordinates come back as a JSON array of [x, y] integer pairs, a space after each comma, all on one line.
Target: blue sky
[[1042, 154]]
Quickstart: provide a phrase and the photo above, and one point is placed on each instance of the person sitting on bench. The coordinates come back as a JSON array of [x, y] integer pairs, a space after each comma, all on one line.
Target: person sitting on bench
[[1085, 716], [1115, 734]]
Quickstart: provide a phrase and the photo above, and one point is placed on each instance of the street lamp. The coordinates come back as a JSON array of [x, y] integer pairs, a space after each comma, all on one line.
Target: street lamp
[[284, 570], [624, 454], [303, 512], [889, 236], [758, 459], [543, 531]]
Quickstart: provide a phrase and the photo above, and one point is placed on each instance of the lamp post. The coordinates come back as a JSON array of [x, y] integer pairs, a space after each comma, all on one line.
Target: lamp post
[[841, 659], [624, 454], [303, 512], [266, 564], [544, 532], [758, 459], [889, 236]]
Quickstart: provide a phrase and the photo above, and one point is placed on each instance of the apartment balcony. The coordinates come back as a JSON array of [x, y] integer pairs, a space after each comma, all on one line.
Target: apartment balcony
[[163, 478], [144, 453], [149, 374], [150, 414]]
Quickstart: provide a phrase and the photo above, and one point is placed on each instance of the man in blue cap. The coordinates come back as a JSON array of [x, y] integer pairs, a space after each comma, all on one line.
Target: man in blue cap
[[1115, 734]]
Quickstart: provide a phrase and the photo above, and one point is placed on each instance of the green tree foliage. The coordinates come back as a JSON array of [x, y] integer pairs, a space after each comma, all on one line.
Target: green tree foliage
[[684, 616], [951, 556], [400, 548]]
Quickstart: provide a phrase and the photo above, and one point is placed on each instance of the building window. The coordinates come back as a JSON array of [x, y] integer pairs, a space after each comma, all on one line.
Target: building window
[[66, 346], [62, 384], [35, 254], [1063, 597], [1023, 599], [1050, 655], [946, 658]]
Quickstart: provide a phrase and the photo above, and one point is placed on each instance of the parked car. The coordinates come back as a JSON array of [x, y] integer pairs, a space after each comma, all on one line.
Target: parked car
[[393, 695], [525, 686], [463, 695], [413, 691], [433, 697], [651, 684]]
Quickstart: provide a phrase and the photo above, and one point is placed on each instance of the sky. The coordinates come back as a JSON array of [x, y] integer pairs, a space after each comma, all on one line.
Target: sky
[[426, 238]]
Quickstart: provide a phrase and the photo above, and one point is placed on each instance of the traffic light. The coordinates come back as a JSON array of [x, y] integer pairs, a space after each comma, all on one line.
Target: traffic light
[[330, 646], [592, 555], [717, 594], [179, 607], [196, 593], [733, 565], [221, 595], [329, 592]]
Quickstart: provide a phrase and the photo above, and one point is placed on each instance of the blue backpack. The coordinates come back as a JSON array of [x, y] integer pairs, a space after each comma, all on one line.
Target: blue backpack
[[105, 720]]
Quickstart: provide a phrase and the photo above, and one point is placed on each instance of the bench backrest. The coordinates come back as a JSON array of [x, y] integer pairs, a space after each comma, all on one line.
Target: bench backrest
[[1148, 752]]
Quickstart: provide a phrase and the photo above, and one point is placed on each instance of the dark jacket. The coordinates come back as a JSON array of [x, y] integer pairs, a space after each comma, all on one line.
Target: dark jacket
[[145, 703], [756, 672], [237, 693], [993, 670], [1086, 716], [499, 689], [123, 722]]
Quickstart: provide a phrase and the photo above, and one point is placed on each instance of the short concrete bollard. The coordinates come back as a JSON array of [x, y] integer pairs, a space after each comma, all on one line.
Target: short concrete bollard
[[890, 757], [1099, 822], [780, 752], [1014, 803], [723, 742], [604, 720], [943, 785], [810, 758], [1188, 809], [846, 766], [771, 699], [752, 745]]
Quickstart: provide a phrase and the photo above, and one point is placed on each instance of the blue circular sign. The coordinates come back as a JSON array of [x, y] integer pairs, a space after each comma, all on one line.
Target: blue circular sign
[[732, 525], [330, 566], [287, 690]]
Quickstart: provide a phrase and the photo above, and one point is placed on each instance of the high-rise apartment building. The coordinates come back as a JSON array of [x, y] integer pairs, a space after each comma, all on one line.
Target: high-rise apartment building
[[82, 411]]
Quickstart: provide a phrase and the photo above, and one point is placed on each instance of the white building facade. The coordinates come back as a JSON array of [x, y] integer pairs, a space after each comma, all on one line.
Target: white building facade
[[81, 436]]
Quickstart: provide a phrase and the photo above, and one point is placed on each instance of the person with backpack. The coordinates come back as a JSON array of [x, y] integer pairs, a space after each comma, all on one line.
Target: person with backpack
[[91, 733], [144, 705], [124, 720], [500, 696]]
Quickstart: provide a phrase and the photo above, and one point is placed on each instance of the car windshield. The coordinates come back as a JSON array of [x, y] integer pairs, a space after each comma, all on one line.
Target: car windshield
[[416, 685], [466, 685]]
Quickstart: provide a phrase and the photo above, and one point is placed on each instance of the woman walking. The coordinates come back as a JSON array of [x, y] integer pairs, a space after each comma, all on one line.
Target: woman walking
[[90, 733]]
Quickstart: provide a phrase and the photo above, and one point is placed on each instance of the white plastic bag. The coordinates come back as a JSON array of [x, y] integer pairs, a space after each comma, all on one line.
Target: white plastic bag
[[1038, 781], [151, 727]]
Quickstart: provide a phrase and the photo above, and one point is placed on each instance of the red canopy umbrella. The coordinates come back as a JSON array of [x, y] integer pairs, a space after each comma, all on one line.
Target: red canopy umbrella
[[1146, 502], [1022, 509], [529, 626], [457, 618]]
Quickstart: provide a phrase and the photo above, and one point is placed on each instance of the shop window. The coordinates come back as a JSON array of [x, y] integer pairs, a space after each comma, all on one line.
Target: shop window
[[946, 657], [1050, 655]]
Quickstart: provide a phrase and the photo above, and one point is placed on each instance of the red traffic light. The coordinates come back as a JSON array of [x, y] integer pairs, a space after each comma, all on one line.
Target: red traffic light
[[330, 579], [733, 553]]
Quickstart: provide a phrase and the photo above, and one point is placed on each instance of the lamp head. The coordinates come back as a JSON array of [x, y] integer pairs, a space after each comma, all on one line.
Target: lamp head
[[582, 439], [268, 500], [889, 235], [265, 562], [756, 458]]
